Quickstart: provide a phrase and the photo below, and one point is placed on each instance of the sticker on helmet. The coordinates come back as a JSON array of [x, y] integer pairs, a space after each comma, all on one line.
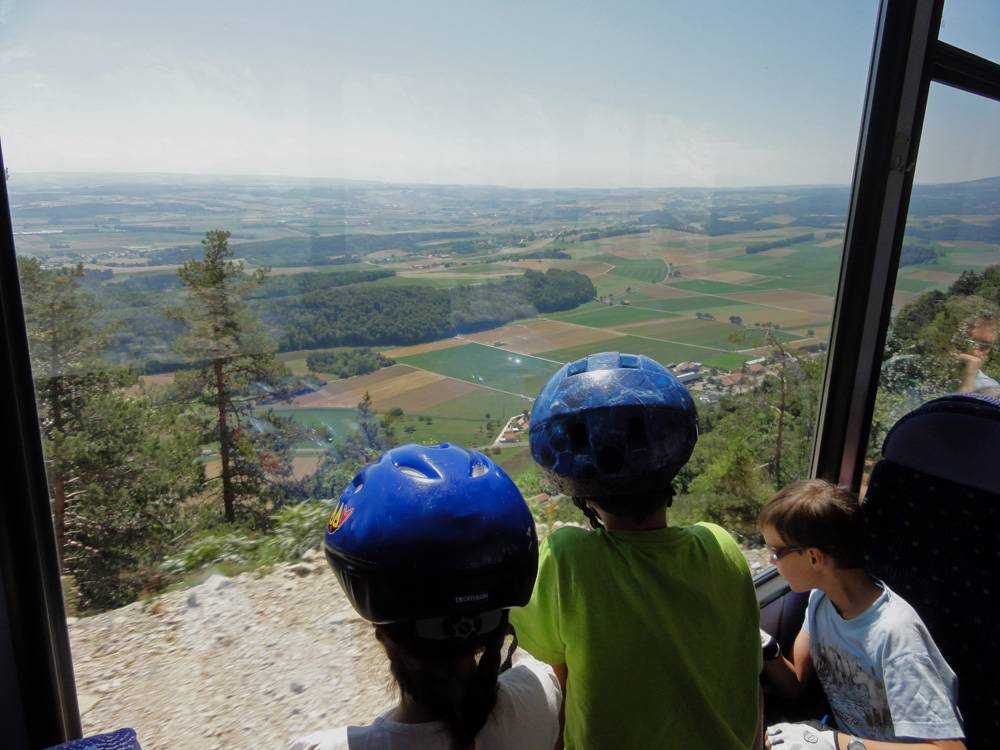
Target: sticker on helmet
[[338, 517]]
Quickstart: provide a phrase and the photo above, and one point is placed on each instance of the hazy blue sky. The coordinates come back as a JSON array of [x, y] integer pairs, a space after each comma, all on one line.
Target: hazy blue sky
[[524, 94]]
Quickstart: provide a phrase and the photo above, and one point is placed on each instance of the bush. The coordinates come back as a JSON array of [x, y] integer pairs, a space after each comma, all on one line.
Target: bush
[[226, 544], [294, 530]]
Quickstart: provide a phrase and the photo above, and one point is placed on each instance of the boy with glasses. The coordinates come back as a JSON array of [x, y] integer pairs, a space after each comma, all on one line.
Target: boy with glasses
[[886, 682]]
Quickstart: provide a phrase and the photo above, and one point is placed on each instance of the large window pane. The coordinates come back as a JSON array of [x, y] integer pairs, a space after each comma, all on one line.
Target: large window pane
[[947, 302], [972, 25], [458, 200]]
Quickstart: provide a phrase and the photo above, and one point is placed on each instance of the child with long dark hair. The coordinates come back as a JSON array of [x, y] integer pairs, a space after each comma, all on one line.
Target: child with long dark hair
[[433, 545]]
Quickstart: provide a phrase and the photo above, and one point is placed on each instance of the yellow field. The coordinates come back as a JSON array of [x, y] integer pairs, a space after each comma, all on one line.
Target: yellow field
[[540, 336], [814, 303], [937, 277], [387, 387], [433, 346]]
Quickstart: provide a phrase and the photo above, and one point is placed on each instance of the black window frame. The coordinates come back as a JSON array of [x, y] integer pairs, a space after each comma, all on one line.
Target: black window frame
[[36, 672]]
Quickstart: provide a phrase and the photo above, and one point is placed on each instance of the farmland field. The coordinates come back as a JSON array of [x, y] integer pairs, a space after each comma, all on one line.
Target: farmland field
[[707, 333], [485, 365], [662, 351], [609, 316], [537, 335], [692, 304], [704, 286]]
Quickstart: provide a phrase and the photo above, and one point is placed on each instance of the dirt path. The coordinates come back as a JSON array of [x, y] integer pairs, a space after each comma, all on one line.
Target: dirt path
[[247, 662]]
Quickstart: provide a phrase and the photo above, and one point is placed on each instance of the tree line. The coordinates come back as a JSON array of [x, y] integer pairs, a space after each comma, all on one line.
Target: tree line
[[762, 246], [370, 314], [346, 363]]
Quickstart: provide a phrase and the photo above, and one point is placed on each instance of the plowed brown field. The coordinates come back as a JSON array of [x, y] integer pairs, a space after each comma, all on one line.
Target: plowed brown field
[[540, 336]]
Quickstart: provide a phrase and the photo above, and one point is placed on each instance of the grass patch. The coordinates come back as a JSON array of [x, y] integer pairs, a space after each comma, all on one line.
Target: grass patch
[[692, 304], [914, 285], [484, 365], [608, 316], [709, 333], [664, 352], [706, 286], [640, 269], [323, 426]]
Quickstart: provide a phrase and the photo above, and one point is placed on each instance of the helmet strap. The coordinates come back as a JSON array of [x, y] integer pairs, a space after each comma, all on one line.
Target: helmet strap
[[590, 513], [509, 630]]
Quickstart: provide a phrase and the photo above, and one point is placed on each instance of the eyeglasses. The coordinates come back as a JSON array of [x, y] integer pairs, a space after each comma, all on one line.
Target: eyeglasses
[[779, 552], [972, 344]]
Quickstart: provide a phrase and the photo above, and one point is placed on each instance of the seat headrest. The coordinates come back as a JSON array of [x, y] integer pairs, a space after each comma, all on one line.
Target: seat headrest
[[954, 437]]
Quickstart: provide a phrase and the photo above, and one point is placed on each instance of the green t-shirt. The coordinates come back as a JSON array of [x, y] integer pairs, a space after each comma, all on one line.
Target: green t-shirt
[[658, 630]]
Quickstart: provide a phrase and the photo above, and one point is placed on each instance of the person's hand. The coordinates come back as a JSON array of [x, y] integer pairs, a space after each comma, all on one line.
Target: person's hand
[[799, 737], [769, 645]]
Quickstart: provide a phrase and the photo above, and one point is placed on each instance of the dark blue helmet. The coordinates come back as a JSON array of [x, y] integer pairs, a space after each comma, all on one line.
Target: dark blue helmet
[[613, 424], [435, 535]]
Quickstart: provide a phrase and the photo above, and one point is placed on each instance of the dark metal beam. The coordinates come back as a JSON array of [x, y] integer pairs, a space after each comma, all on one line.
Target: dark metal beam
[[964, 70], [33, 605], [883, 177]]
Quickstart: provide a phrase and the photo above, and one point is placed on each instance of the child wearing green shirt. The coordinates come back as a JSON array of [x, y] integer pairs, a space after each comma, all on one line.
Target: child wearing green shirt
[[653, 629]]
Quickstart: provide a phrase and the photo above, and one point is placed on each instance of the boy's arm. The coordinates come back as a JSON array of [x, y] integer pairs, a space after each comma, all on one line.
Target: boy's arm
[[844, 739], [790, 677], [782, 735], [562, 672]]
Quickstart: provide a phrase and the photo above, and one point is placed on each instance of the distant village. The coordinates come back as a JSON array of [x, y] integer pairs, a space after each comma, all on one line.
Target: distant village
[[707, 385]]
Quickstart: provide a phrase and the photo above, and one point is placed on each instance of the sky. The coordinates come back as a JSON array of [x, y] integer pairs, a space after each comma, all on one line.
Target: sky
[[523, 94]]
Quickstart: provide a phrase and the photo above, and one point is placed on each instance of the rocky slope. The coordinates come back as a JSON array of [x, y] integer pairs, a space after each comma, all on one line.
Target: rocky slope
[[244, 662]]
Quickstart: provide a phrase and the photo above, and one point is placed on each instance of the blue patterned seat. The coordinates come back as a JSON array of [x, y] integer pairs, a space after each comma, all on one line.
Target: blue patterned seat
[[930, 518]]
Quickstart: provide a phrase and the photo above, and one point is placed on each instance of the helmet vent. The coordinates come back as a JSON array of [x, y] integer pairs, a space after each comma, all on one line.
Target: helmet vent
[[636, 434], [478, 469], [610, 460], [629, 361], [578, 441], [416, 465]]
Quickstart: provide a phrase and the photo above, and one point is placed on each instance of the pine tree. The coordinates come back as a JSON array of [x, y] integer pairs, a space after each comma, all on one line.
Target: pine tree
[[66, 343], [118, 465], [234, 370]]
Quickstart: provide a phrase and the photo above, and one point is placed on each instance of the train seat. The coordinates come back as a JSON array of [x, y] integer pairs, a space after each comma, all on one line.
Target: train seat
[[930, 520]]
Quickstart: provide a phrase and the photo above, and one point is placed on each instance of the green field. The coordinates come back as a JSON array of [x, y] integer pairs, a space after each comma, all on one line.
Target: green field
[[640, 269], [690, 304], [913, 285], [323, 425], [608, 316], [808, 266], [463, 420], [664, 352], [430, 279], [480, 403], [704, 286], [484, 365], [484, 268], [709, 333]]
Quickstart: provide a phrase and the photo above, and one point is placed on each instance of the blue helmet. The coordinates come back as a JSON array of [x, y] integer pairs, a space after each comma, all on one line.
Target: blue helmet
[[613, 424], [434, 535]]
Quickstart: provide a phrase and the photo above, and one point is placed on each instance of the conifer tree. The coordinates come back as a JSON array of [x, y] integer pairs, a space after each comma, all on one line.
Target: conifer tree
[[234, 371], [118, 465]]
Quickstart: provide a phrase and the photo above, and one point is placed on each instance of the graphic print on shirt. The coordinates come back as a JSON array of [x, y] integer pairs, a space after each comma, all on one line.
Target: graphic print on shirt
[[856, 694]]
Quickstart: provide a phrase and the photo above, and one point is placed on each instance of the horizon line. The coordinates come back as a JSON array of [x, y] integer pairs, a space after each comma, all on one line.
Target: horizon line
[[488, 185]]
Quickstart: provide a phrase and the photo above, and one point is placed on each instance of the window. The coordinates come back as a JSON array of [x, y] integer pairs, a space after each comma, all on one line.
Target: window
[[943, 334], [450, 216]]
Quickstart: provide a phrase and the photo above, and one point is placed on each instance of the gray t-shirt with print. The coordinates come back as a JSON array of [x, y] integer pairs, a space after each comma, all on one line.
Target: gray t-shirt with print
[[881, 671]]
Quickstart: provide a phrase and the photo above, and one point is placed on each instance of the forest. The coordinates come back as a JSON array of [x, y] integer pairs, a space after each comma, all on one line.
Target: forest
[[365, 314]]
